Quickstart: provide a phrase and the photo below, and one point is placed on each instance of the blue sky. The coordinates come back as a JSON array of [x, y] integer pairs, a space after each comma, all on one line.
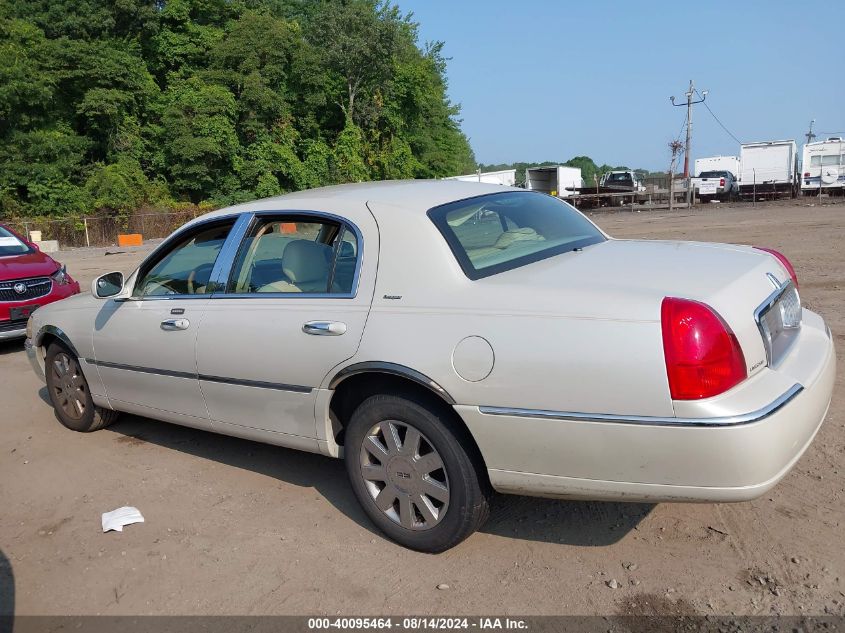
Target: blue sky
[[549, 80]]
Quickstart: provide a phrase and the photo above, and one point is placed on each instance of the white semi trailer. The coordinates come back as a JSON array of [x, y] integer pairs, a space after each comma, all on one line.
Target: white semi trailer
[[768, 169], [823, 167], [717, 163], [555, 180]]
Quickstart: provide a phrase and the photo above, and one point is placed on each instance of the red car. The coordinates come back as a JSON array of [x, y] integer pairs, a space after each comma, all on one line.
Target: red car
[[28, 279]]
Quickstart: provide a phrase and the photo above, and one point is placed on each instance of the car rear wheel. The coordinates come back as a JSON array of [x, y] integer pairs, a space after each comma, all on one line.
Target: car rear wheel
[[412, 475], [69, 393]]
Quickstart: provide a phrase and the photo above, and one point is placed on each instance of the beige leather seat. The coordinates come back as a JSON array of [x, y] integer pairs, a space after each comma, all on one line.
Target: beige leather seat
[[305, 264], [504, 241]]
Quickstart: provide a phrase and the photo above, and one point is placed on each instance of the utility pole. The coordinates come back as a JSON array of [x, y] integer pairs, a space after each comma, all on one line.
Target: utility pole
[[810, 134], [689, 95], [674, 147]]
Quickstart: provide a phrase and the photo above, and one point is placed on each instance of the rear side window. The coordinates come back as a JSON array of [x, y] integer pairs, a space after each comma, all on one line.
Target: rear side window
[[498, 232], [295, 255]]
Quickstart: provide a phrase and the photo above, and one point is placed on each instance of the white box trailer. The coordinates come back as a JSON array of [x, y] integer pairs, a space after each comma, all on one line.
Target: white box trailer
[[505, 177], [823, 167], [555, 180], [768, 168], [717, 163]]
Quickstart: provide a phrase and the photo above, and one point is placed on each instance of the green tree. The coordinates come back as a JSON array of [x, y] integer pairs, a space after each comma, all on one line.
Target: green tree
[[349, 151], [40, 169], [119, 187], [26, 86], [108, 105], [198, 140], [358, 40]]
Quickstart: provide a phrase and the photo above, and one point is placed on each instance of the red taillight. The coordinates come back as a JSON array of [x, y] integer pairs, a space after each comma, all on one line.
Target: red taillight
[[783, 260], [703, 357], [806, 174], [721, 182]]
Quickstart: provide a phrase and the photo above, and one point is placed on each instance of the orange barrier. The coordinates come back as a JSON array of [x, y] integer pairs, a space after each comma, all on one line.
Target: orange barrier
[[130, 239]]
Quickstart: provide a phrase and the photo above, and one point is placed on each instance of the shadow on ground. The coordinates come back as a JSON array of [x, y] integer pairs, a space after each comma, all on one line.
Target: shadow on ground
[[567, 522], [7, 594], [13, 346]]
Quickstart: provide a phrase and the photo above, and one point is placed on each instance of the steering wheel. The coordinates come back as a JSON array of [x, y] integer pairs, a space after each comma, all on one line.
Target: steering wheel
[[198, 279]]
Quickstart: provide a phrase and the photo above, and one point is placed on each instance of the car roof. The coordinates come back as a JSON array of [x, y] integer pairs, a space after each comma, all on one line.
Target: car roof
[[416, 196]]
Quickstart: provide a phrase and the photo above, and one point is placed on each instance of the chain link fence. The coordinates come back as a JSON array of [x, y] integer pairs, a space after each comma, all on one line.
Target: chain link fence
[[103, 230]]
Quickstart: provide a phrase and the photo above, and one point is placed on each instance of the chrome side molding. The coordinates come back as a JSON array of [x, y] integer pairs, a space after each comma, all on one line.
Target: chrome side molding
[[732, 420]]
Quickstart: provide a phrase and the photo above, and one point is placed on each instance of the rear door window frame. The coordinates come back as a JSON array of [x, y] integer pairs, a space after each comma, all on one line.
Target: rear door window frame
[[234, 251]]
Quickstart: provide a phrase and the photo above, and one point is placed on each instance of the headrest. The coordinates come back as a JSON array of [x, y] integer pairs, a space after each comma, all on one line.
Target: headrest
[[304, 261]]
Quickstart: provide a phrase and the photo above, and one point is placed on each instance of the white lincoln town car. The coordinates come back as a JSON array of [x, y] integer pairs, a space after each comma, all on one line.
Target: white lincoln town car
[[448, 339]]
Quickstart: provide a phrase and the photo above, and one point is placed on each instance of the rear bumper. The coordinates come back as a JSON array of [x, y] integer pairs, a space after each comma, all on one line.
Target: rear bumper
[[733, 456]]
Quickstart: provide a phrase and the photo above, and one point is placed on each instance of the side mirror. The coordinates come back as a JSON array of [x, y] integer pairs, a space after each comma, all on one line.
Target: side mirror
[[107, 285]]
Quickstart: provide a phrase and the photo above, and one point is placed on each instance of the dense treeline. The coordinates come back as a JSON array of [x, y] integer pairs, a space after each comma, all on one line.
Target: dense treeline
[[109, 105]]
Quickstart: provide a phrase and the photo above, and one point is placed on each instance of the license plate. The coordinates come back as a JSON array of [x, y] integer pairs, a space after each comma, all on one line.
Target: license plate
[[21, 313]]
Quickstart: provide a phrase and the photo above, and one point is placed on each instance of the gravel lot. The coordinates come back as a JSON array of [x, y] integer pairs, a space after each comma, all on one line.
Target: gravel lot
[[235, 527]]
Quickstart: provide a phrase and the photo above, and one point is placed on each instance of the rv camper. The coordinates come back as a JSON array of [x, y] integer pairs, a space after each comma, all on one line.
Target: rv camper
[[823, 167]]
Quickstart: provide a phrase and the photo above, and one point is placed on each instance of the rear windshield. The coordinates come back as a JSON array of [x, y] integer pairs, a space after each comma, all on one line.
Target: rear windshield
[[10, 244], [497, 232], [713, 174], [623, 177]]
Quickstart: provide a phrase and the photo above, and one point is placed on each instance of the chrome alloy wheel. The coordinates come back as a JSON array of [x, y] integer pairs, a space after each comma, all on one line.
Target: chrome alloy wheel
[[404, 475], [69, 386]]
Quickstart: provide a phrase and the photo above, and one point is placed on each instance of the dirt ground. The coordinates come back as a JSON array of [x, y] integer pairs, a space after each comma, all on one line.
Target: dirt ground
[[235, 527]]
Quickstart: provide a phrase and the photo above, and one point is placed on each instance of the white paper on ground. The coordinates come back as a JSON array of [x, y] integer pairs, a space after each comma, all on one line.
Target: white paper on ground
[[116, 519]]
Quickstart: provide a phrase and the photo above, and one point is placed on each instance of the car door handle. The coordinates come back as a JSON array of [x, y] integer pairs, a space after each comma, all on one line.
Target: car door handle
[[175, 324], [324, 328]]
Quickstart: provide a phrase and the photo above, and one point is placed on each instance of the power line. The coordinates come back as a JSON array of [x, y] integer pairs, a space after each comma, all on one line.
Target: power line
[[681, 131], [720, 123]]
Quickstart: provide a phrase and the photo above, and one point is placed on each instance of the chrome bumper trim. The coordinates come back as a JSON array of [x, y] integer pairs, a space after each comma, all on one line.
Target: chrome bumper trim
[[732, 420], [32, 355], [12, 334]]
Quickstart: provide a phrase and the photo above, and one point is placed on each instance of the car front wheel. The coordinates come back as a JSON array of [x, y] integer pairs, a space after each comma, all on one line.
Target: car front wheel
[[69, 393], [412, 475]]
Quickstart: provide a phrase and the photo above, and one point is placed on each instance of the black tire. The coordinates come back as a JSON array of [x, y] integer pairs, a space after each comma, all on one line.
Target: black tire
[[64, 375], [467, 506]]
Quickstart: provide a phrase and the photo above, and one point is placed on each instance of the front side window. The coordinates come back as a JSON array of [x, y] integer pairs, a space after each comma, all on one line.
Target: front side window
[[497, 232], [296, 254], [186, 268], [10, 244]]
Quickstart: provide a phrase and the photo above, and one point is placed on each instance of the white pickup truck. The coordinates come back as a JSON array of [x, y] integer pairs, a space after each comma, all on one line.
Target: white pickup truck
[[715, 185]]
